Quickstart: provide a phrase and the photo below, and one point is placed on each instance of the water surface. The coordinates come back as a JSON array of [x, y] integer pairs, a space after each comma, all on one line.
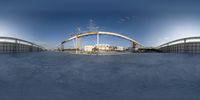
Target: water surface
[[62, 76]]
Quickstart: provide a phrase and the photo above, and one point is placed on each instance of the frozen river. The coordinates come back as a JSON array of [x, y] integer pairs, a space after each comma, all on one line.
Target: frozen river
[[62, 76]]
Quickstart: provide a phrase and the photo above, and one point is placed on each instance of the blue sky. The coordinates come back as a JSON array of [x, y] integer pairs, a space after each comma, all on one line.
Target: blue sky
[[151, 22]]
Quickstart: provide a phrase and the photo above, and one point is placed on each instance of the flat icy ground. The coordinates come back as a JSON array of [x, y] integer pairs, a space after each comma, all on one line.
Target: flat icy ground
[[61, 76]]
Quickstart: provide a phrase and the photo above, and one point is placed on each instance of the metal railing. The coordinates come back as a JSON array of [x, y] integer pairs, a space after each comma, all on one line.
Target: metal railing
[[184, 45], [14, 45]]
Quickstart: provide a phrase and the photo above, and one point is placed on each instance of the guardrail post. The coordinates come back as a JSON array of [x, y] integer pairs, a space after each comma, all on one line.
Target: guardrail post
[[15, 46], [168, 48], [31, 47], [185, 46]]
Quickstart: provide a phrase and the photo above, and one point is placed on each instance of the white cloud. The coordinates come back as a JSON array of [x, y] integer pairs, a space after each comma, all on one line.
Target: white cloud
[[122, 20], [127, 18]]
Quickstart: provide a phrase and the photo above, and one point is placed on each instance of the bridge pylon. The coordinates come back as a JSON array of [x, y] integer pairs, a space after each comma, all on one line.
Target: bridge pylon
[[134, 45], [78, 43], [62, 47]]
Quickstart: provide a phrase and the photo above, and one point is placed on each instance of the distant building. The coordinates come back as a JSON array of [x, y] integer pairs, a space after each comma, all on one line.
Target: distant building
[[120, 48], [103, 47], [89, 48]]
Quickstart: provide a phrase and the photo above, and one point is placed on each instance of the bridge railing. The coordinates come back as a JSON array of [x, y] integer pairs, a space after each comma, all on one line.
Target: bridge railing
[[184, 45], [14, 45]]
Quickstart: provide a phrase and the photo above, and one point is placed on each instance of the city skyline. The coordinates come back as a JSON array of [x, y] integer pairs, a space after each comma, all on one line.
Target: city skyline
[[149, 22]]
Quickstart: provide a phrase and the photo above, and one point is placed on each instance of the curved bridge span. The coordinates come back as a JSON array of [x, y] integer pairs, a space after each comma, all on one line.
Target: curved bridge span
[[78, 36], [184, 45], [14, 45]]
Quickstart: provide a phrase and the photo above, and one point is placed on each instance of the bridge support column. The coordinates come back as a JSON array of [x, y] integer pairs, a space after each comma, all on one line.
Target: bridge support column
[[134, 46], [78, 43], [62, 47], [97, 39]]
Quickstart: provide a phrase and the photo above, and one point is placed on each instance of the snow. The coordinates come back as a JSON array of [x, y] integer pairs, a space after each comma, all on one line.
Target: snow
[[62, 76]]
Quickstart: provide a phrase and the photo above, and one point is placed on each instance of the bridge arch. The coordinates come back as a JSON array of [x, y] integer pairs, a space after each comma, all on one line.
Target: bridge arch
[[76, 37]]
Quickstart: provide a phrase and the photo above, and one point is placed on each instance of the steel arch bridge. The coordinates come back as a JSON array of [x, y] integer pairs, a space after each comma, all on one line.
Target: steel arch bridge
[[78, 36], [15, 45], [183, 45]]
